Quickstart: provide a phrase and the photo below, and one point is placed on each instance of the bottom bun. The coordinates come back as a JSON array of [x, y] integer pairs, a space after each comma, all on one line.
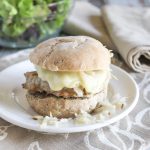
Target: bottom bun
[[63, 108]]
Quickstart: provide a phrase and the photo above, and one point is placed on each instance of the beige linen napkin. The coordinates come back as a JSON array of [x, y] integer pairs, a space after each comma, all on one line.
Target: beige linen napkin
[[85, 19], [129, 28]]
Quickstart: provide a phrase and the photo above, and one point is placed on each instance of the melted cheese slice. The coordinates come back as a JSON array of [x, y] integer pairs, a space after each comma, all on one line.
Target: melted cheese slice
[[92, 81]]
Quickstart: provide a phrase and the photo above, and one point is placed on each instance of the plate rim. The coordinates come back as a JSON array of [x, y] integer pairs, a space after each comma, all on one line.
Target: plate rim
[[83, 128]]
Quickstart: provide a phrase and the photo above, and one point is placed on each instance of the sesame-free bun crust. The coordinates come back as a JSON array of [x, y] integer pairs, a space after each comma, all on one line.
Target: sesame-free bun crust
[[63, 108], [71, 53]]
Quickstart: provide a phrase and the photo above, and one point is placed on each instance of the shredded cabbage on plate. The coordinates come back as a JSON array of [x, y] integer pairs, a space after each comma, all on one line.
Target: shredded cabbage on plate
[[104, 111]]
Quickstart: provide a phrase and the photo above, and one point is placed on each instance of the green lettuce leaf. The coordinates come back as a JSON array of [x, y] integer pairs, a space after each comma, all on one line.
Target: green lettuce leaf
[[7, 10], [17, 16]]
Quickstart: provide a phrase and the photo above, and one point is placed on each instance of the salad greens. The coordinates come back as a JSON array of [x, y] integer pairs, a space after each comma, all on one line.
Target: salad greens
[[18, 17]]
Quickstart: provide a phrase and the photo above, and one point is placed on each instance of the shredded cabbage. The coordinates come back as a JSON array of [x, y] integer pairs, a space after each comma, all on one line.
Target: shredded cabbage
[[104, 111]]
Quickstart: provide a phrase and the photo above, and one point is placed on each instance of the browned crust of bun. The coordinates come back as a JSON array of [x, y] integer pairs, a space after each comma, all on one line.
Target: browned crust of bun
[[63, 108], [71, 53]]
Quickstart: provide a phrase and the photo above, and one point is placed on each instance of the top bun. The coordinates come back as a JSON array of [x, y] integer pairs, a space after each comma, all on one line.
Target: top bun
[[71, 53]]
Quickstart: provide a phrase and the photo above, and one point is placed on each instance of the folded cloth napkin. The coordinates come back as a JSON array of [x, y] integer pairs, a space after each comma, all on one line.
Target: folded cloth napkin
[[85, 19], [129, 28], [138, 3]]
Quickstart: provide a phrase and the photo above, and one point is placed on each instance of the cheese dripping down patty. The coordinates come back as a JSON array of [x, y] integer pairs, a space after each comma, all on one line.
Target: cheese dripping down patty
[[91, 81]]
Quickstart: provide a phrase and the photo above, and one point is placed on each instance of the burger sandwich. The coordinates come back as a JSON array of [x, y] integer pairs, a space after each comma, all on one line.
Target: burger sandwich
[[72, 75]]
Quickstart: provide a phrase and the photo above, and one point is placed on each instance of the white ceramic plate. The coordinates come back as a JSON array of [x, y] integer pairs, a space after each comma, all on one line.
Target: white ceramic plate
[[19, 112]]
